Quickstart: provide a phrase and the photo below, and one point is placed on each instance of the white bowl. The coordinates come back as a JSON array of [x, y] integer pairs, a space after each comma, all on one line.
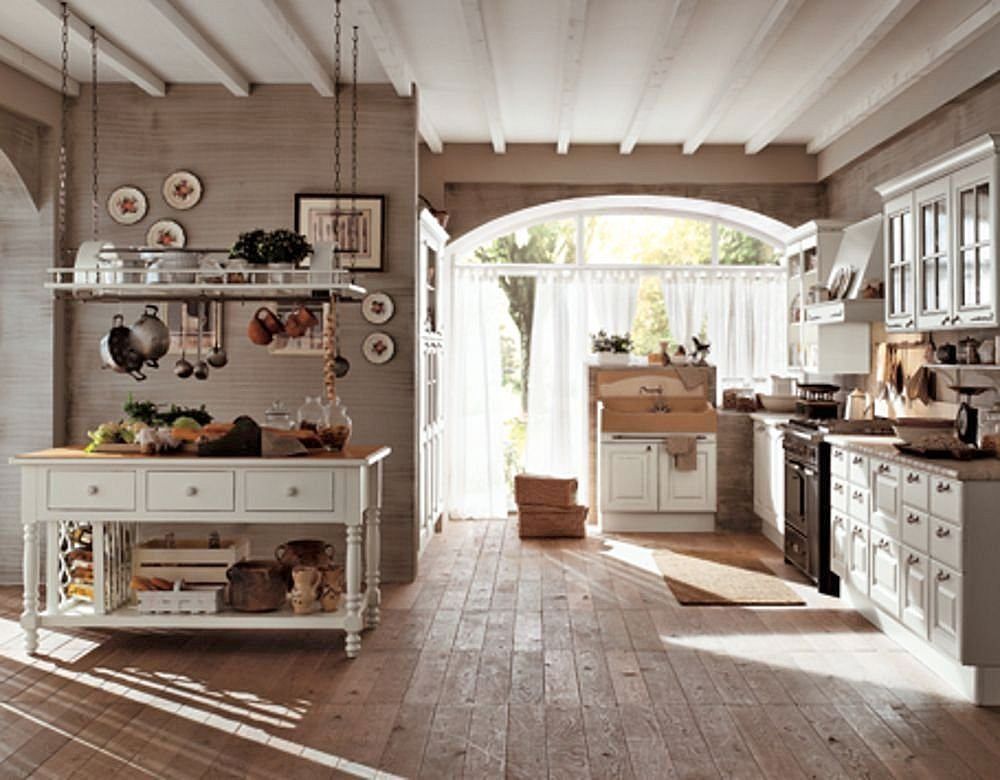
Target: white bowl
[[777, 403]]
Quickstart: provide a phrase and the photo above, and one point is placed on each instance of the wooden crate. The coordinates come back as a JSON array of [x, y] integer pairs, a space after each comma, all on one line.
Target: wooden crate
[[538, 490], [195, 601], [547, 521], [191, 560]]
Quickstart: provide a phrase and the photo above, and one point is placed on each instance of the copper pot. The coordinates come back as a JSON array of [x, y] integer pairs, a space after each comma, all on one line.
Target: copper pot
[[256, 586]]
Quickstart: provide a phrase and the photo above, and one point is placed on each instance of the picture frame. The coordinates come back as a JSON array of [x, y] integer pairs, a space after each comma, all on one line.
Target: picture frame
[[360, 233]]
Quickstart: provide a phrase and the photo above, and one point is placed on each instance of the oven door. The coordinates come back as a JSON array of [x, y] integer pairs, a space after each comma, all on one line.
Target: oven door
[[795, 497]]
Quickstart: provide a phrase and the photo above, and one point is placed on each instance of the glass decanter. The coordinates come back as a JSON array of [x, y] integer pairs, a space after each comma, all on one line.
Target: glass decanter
[[311, 414], [335, 432]]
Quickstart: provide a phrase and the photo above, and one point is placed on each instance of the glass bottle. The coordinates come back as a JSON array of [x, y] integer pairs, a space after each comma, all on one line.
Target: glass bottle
[[311, 414], [278, 416], [336, 430]]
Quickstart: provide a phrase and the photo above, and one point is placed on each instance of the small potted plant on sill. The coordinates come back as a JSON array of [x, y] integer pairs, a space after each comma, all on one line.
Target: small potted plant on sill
[[611, 350], [277, 250]]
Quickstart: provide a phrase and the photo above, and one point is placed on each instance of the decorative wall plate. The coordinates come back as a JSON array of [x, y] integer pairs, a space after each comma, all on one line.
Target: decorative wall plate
[[165, 233], [127, 205], [182, 190], [378, 348], [377, 308]]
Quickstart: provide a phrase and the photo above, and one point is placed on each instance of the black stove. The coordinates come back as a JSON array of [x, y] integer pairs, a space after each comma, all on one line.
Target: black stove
[[807, 492]]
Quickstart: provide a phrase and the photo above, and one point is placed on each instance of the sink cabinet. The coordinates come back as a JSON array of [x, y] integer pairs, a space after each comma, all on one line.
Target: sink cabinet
[[630, 473], [688, 491]]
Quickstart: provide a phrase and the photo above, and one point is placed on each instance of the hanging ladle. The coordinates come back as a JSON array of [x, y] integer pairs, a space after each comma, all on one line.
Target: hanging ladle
[[217, 358], [341, 365], [201, 367], [183, 368]]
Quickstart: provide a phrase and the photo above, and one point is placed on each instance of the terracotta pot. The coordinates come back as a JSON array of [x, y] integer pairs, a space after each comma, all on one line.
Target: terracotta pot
[[304, 317], [270, 320], [293, 327], [258, 333], [256, 586], [303, 552]]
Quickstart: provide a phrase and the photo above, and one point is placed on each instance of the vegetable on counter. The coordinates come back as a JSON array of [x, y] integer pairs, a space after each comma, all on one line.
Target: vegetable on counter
[[149, 413], [113, 433]]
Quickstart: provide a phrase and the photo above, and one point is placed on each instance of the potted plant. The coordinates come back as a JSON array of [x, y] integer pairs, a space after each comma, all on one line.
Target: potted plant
[[611, 349], [278, 250]]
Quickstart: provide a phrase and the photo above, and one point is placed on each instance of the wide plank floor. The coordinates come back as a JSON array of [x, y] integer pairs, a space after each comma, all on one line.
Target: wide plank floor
[[561, 658]]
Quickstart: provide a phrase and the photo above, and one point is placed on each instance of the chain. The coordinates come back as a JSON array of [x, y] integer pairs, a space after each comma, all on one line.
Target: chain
[[354, 121], [336, 98], [64, 131], [95, 170]]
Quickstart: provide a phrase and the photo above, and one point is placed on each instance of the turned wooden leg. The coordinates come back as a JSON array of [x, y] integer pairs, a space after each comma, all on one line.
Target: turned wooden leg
[[29, 618], [353, 623], [374, 550]]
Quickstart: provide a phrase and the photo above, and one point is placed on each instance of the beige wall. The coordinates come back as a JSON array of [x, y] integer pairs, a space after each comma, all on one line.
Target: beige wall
[[252, 155], [27, 98]]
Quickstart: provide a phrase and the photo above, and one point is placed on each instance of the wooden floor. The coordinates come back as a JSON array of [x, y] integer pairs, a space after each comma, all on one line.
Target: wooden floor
[[559, 658]]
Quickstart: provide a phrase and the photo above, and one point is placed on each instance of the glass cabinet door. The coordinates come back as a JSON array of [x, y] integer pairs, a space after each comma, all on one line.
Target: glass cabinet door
[[899, 264], [933, 257], [975, 277]]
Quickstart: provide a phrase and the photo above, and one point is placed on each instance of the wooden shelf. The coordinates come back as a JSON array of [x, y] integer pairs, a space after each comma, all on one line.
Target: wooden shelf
[[985, 367]]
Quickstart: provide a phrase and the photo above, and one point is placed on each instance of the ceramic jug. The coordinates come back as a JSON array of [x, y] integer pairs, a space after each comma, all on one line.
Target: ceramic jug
[[306, 582]]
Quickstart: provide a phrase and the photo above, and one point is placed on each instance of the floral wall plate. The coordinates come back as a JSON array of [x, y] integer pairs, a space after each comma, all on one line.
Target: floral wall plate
[[182, 190], [127, 205], [378, 348], [377, 308], [165, 233]]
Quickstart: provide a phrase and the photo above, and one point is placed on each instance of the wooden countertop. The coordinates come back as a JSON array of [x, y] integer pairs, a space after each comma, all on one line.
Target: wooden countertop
[[355, 454], [983, 470]]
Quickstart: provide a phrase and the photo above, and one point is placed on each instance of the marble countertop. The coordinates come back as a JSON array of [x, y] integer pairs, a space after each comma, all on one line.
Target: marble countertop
[[984, 470], [771, 417]]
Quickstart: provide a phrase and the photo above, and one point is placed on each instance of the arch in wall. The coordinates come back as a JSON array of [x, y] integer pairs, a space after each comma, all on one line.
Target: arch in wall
[[20, 162], [757, 225]]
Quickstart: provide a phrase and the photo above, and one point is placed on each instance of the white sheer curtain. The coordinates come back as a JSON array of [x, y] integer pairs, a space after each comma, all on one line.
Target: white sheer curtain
[[475, 452], [684, 296], [612, 297]]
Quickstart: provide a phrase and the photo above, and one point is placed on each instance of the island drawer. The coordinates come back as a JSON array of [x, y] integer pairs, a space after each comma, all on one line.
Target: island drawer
[[946, 499], [190, 491], [946, 544], [98, 490], [915, 488], [283, 490]]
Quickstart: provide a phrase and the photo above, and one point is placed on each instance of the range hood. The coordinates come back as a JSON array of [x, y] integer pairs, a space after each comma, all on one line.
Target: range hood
[[860, 256]]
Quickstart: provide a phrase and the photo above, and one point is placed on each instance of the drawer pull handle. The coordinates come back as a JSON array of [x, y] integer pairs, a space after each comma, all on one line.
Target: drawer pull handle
[[191, 490], [858, 495], [911, 478], [943, 487], [857, 532], [838, 455], [912, 559], [912, 519], [91, 490], [942, 576], [883, 468], [941, 533], [857, 460], [946, 320], [292, 491], [838, 487], [883, 544]]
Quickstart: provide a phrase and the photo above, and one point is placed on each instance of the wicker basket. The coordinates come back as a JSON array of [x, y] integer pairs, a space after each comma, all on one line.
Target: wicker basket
[[544, 491], [542, 521]]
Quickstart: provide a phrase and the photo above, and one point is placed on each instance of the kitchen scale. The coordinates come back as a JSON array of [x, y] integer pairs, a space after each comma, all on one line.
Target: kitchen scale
[[967, 419]]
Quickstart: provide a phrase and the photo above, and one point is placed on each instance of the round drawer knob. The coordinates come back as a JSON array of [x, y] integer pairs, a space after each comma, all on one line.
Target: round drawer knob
[[91, 490], [191, 490], [292, 491]]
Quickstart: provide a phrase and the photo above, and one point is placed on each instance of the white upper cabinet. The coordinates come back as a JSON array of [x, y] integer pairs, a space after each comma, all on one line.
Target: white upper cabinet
[[941, 226]]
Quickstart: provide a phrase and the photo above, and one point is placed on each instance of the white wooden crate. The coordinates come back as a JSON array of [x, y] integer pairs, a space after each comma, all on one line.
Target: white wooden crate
[[191, 560], [194, 601]]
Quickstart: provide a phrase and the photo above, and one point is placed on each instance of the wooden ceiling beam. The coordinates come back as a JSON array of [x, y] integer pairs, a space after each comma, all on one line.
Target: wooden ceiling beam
[[109, 53], [911, 71], [291, 43], [771, 29], [574, 28], [213, 59], [670, 34], [472, 13], [33, 67], [887, 15]]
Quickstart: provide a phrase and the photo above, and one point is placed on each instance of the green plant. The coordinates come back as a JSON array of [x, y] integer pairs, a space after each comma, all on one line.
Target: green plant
[[147, 412], [247, 246], [284, 246], [604, 342]]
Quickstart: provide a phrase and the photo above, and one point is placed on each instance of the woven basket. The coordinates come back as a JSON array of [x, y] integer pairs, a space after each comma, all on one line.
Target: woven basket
[[544, 491], [542, 521]]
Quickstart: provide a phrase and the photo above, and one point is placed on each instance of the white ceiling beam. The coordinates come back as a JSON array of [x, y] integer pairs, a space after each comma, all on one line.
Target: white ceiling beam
[[771, 29], [849, 54], [912, 71], [429, 133], [116, 59], [213, 59], [670, 34], [291, 43], [35, 68], [472, 12], [574, 27]]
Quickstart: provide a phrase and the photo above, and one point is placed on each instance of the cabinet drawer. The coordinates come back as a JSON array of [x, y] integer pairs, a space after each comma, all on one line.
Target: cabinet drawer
[[915, 529], [796, 549], [915, 489], [946, 499], [839, 492], [838, 462], [857, 469], [857, 504], [946, 544], [100, 490], [289, 491], [190, 491]]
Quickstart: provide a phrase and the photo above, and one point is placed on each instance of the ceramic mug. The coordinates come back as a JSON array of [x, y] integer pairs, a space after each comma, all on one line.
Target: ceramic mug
[[304, 317], [270, 320], [293, 327], [258, 333]]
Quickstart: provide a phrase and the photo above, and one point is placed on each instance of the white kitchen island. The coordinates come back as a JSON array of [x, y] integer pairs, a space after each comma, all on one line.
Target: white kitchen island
[[114, 494]]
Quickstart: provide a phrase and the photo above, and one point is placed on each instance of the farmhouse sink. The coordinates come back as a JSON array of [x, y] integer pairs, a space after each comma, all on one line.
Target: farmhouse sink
[[642, 415]]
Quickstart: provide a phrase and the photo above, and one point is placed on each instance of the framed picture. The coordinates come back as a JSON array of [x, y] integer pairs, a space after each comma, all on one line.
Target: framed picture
[[357, 225]]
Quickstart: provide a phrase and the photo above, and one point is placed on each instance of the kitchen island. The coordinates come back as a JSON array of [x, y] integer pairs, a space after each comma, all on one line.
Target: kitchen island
[[114, 494]]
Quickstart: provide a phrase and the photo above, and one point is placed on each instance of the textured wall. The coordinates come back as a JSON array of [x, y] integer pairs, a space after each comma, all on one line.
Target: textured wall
[[252, 155]]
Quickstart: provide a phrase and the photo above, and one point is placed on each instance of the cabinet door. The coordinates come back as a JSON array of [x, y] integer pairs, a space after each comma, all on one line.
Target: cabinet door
[[886, 503], [857, 557], [884, 573], [946, 610], [777, 474], [628, 477], [688, 491], [899, 258], [975, 274], [914, 593], [934, 273], [763, 503], [840, 533]]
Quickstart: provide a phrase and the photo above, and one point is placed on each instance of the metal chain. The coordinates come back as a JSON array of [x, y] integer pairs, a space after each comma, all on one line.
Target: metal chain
[[64, 131], [354, 121], [336, 98], [94, 138]]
